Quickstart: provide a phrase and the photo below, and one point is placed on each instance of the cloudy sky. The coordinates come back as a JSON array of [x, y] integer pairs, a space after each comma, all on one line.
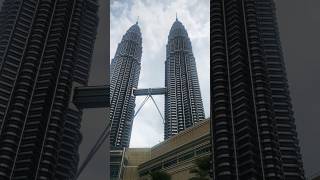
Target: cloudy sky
[[155, 20]]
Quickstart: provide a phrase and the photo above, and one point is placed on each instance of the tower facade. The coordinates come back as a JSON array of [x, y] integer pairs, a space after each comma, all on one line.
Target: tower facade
[[183, 103], [125, 71], [46, 49], [254, 134]]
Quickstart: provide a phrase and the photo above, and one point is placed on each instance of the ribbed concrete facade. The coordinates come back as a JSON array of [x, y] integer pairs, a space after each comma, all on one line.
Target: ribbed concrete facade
[[177, 154], [254, 134], [45, 49], [125, 71], [183, 103]]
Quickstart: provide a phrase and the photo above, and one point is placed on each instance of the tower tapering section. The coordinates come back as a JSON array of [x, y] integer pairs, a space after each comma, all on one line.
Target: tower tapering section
[[125, 71], [183, 103], [254, 134], [45, 51]]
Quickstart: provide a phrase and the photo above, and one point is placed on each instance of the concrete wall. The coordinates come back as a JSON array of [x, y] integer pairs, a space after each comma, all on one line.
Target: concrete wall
[[187, 136], [135, 157], [189, 140]]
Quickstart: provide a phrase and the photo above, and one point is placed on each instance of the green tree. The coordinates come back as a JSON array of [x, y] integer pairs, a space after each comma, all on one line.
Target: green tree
[[202, 169], [159, 175]]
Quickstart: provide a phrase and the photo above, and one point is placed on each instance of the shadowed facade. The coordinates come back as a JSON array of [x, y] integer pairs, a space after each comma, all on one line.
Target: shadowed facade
[[45, 51], [253, 128]]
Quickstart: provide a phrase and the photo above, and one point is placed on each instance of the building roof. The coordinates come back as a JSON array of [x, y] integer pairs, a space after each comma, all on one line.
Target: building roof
[[187, 136]]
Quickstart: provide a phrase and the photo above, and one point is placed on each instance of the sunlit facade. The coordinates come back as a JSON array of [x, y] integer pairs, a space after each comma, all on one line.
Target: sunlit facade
[[183, 102]]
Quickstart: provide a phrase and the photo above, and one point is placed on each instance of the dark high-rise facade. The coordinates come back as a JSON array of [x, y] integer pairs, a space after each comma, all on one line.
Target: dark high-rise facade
[[254, 134], [45, 51], [125, 71], [183, 103]]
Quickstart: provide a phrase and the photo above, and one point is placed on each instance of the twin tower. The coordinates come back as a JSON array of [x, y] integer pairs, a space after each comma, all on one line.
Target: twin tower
[[183, 103]]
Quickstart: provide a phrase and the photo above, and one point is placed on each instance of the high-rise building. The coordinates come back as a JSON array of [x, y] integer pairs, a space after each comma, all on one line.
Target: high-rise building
[[45, 51], [125, 71], [253, 128], [183, 103]]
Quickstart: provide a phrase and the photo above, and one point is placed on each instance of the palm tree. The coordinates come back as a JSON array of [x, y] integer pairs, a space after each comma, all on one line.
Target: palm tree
[[159, 175], [202, 169]]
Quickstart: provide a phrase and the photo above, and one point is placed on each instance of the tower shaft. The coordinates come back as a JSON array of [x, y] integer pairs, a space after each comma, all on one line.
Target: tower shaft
[[46, 49], [183, 103], [125, 71], [254, 135]]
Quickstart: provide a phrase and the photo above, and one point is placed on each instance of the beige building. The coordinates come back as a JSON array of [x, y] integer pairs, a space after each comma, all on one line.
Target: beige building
[[134, 157], [174, 156]]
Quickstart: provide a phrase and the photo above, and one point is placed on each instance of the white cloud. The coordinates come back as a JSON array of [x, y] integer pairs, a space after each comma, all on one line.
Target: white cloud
[[155, 20]]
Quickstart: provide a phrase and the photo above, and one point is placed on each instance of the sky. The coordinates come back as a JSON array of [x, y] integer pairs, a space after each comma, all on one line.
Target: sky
[[155, 20]]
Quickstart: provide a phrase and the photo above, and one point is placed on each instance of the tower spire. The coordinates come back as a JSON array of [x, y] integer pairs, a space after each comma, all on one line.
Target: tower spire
[[176, 16], [137, 20]]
